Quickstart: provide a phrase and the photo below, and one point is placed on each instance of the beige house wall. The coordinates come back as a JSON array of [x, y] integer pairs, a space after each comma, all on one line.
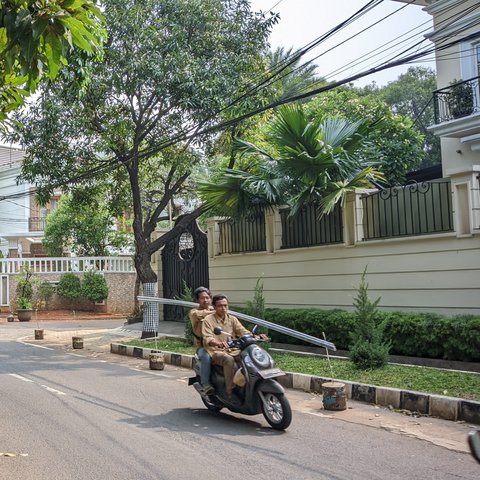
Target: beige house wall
[[430, 274]]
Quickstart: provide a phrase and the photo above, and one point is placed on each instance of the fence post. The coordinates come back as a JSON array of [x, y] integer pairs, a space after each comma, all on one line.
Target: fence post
[[273, 230], [353, 218], [466, 199], [213, 239], [349, 219]]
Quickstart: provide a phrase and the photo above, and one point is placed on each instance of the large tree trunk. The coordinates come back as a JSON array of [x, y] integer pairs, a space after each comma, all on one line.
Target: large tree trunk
[[148, 279]]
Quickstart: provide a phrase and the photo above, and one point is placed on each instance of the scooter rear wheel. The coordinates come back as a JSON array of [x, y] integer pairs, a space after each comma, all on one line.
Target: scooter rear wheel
[[276, 410], [210, 403]]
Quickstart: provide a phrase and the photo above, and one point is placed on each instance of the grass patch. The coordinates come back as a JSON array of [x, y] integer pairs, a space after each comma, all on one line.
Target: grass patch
[[176, 345], [421, 379]]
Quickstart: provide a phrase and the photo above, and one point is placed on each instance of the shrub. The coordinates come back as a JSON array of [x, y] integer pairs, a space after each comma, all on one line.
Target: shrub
[[462, 340], [368, 349], [406, 331], [69, 286], [45, 291], [187, 296], [367, 355], [94, 287], [256, 306], [25, 287], [411, 334]]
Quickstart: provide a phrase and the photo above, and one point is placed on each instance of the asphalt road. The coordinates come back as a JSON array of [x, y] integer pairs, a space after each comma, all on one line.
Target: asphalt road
[[68, 415]]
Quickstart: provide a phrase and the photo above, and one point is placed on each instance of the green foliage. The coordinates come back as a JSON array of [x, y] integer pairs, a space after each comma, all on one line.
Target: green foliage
[[366, 355], [25, 287], [256, 307], [411, 96], [83, 225], [431, 380], [410, 334], [37, 39], [69, 286], [395, 146], [24, 303], [94, 287], [294, 79], [313, 161], [187, 296], [460, 99], [45, 290], [368, 349], [434, 336], [169, 67]]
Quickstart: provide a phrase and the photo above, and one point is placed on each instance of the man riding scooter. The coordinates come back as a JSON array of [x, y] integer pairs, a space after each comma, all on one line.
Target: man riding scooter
[[216, 345], [203, 296]]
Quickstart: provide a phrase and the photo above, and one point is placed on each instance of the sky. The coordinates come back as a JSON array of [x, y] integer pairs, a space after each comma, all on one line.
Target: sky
[[301, 21]]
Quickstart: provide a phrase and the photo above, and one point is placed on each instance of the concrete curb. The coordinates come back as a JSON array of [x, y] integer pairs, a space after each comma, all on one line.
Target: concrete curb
[[448, 408]]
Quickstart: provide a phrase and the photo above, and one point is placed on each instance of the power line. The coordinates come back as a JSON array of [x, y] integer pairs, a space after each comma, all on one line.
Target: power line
[[222, 125], [373, 53], [282, 66], [316, 91], [359, 33], [268, 79]]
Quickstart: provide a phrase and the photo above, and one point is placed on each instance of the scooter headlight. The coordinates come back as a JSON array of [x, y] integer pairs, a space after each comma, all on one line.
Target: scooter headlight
[[261, 357]]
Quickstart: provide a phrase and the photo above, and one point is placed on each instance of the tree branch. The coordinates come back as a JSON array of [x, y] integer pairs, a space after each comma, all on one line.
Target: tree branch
[[180, 226]]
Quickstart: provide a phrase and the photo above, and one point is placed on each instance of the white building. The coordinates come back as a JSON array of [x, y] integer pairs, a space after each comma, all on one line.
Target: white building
[[22, 220]]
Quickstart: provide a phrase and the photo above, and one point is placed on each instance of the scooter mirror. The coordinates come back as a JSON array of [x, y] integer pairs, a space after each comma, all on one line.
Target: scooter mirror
[[217, 331], [474, 441], [255, 330]]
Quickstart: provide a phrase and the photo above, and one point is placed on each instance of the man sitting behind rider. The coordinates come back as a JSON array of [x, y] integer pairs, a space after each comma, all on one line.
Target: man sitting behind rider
[[203, 296], [216, 345]]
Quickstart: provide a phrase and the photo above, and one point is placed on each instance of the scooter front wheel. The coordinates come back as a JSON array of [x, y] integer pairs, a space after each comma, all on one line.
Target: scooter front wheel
[[210, 403], [276, 410]]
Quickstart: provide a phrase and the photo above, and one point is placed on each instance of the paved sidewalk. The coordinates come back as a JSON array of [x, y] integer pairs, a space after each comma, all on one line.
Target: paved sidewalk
[[97, 343]]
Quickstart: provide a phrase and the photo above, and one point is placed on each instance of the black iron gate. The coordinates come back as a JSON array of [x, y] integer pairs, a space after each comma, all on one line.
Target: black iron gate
[[184, 261]]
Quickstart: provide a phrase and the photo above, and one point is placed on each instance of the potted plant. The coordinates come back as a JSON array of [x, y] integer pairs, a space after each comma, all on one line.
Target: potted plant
[[24, 298], [460, 99]]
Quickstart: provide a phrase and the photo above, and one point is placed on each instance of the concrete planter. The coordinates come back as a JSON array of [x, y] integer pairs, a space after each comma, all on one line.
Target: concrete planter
[[24, 314], [39, 334], [77, 342]]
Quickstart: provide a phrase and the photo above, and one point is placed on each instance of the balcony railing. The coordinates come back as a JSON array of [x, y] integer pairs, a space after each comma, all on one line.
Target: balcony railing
[[457, 101], [36, 224]]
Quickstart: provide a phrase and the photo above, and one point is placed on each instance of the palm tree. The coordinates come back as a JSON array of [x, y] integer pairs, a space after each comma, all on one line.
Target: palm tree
[[308, 162], [293, 78]]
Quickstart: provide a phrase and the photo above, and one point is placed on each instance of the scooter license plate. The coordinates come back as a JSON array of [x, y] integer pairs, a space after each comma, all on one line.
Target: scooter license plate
[[271, 372]]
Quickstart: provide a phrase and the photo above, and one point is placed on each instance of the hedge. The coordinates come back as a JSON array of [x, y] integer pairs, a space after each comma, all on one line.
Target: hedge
[[411, 334]]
